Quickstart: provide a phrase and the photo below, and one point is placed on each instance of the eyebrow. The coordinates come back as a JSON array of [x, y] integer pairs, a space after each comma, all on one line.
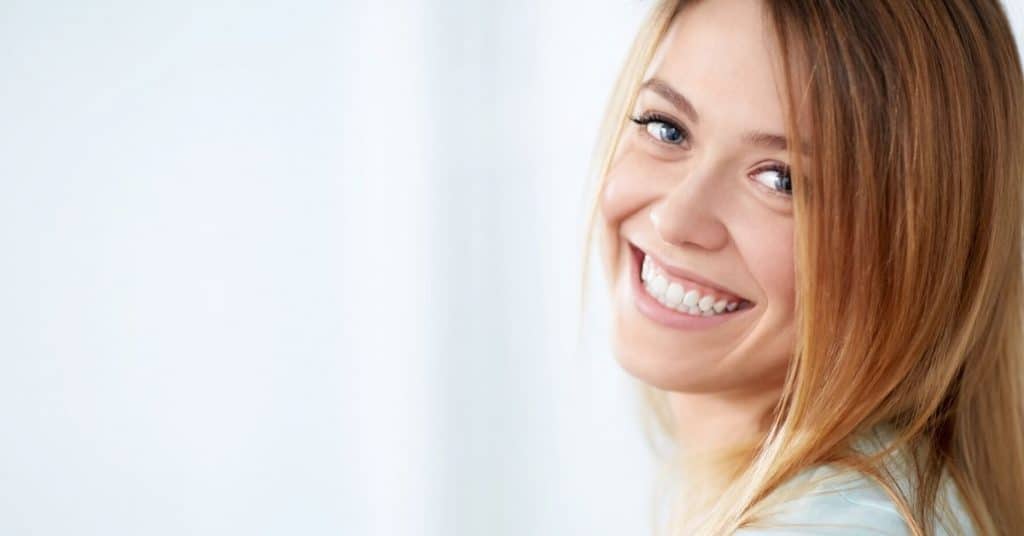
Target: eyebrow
[[767, 140]]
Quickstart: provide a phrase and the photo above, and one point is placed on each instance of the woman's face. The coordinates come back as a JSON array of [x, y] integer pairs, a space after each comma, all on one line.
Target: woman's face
[[700, 195]]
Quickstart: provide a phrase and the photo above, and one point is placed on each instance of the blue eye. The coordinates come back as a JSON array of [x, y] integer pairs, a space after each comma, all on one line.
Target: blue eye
[[775, 178], [661, 128]]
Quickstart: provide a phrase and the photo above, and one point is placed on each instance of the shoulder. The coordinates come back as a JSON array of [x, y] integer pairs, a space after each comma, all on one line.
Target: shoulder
[[835, 503], [828, 500]]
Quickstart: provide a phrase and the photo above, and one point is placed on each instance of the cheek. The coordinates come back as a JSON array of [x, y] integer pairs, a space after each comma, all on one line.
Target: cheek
[[627, 189], [768, 250]]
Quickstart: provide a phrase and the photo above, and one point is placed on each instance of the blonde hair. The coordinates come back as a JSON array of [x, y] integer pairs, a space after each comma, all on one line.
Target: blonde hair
[[912, 197]]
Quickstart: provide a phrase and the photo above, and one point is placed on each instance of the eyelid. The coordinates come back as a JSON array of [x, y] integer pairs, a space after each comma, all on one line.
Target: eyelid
[[778, 168], [652, 116]]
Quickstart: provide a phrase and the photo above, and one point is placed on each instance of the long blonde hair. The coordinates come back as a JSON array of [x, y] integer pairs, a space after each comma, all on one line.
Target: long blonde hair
[[908, 218]]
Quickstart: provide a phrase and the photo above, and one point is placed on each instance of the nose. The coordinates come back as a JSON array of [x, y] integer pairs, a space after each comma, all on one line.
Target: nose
[[689, 213]]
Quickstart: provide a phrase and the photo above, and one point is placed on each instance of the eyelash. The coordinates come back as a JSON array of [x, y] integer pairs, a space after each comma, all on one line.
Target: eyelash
[[781, 170], [654, 117]]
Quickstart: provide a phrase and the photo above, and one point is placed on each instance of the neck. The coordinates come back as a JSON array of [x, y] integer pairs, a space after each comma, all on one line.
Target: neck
[[715, 434], [710, 422]]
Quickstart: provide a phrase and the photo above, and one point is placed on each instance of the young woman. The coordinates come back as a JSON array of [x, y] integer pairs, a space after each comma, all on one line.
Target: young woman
[[810, 218]]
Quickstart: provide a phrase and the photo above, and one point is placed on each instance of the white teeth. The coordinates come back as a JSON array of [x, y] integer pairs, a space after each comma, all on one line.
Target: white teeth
[[659, 284], [672, 294]]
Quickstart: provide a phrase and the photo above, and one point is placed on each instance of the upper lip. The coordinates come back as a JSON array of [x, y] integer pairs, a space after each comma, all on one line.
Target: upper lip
[[686, 274]]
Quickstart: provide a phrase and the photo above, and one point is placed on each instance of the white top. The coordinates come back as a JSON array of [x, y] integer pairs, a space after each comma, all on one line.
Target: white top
[[847, 503]]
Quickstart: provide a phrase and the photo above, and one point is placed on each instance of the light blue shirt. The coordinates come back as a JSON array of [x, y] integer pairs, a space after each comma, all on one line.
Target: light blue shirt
[[843, 503]]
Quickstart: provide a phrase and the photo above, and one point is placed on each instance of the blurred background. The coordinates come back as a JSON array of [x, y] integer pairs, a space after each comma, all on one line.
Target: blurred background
[[307, 267]]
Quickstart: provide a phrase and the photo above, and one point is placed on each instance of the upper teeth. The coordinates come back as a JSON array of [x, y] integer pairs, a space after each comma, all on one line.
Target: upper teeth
[[694, 301]]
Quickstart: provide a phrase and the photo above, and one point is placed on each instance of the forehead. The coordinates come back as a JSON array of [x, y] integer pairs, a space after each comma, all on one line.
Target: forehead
[[720, 54]]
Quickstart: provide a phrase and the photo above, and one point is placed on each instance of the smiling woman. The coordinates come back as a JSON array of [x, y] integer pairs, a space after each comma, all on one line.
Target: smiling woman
[[810, 219]]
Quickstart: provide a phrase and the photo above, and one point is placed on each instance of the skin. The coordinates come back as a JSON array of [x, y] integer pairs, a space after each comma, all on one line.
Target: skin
[[705, 203]]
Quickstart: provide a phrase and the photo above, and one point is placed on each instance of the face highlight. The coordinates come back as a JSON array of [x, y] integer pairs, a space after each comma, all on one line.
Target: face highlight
[[697, 213]]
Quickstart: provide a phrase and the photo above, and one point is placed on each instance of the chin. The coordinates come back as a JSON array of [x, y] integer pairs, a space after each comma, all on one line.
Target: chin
[[675, 371]]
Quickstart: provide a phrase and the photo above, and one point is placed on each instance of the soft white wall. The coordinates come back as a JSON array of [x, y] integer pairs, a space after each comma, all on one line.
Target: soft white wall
[[171, 356], [305, 268]]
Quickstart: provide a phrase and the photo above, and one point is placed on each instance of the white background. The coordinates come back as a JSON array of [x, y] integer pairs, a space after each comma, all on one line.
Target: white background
[[307, 267]]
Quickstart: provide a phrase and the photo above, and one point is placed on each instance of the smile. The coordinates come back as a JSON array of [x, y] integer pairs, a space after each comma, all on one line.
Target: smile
[[669, 298]]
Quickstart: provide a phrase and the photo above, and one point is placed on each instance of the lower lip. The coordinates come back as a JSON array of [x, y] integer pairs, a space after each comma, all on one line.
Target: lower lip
[[653, 309]]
